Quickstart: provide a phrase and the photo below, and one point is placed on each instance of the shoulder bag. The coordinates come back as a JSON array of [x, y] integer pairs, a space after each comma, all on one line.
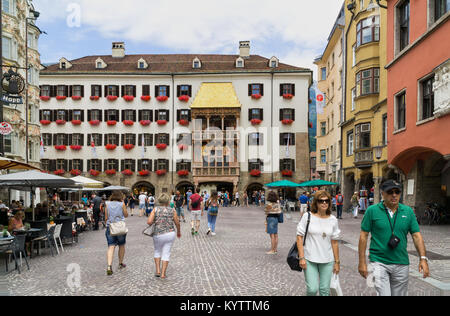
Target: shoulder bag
[[292, 258], [150, 230], [117, 228]]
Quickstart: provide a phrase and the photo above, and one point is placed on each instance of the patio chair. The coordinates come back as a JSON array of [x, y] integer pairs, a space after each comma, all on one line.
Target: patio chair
[[47, 239], [57, 235], [17, 248]]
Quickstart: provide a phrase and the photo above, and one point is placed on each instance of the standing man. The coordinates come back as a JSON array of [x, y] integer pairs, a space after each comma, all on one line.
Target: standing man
[[188, 198], [96, 209], [142, 201], [196, 206], [151, 204], [179, 205], [339, 204], [303, 199], [389, 223]]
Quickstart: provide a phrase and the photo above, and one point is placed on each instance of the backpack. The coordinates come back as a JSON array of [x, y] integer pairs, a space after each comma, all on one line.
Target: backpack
[[213, 209], [340, 198]]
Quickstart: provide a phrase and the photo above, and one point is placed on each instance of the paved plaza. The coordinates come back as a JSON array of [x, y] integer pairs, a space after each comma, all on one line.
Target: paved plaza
[[232, 263]]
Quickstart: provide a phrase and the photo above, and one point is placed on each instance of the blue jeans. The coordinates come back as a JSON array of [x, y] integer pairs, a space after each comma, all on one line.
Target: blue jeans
[[339, 211], [212, 222], [318, 278]]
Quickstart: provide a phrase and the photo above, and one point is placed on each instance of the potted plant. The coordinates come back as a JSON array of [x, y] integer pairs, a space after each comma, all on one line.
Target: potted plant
[[162, 98], [60, 122], [161, 122], [111, 122], [161, 172], [287, 122], [288, 96], [145, 122], [60, 147], [61, 97], [59, 172], [255, 173], [287, 173], [128, 146], [75, 147], [110, 146], [111, 97], [161, 146], [94, 97], [75, 172], [183, 98], [76, 122], [128, 122], [110, 172], [144, 173], [255, 121], [183, 173], [94, 173], [45, 122], [256, 96], [127, 172], [182, 146], [44, 97], [94, 122], [128, 98], [145, 98], [183, 122], [76, 97]]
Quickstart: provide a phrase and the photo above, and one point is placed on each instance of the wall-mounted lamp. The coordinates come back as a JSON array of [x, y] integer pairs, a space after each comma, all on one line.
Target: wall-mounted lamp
[[378, 151]]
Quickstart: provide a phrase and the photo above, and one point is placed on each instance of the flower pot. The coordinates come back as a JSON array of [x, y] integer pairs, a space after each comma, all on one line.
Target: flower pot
[[127, 172], [145, 98], [44, 98], [61, 97], [183, 98], [111, 146], [128, 122], [94, 122], [287, 173], [94, 97], [128, 98], [288, 96], [128, 146], [161, 146], [94, 173], [75, 147], [144, 173], [59, 172], [255, 173], [60, 147], [145, 122], [112, 97], [60, 122], [76, 122], [75, 172], [256, 96], [255, 121], [183, 173], [287, 122], [161, 122], [161, 172], [45, 122], [111, 123], [183, 122], [76, 97], [110, 172], [162, 98]]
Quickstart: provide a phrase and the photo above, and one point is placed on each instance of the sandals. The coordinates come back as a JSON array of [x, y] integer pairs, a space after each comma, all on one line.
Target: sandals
[[157, 275], [109, 270], [122, 265]]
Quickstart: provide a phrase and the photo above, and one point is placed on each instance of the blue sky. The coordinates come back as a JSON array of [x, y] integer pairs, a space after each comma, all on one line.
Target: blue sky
[[295, 31]]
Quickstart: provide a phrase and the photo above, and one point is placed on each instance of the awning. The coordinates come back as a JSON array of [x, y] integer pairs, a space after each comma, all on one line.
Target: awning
[[6, 163], [216, 95], [87, 182]]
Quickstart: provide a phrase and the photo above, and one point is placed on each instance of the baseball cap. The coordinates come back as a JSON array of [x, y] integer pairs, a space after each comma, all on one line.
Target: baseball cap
[[390, 184]]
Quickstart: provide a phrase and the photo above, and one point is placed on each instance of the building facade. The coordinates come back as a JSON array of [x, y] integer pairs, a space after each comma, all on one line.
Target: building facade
[[418, 55], [364, 138], [162, 123]]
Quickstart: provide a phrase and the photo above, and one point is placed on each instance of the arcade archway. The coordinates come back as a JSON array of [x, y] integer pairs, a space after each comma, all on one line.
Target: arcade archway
[[143, 186]]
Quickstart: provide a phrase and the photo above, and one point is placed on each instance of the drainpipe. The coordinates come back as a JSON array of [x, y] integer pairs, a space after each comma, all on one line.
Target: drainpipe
[[173, 126], [271, 120]]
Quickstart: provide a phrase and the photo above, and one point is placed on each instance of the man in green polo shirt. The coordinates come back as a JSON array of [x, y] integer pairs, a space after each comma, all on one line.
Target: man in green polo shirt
[[389, 223]]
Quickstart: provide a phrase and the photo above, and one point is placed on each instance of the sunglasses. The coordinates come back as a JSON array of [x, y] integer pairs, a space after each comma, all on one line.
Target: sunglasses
[[324, 201], [396, 191]]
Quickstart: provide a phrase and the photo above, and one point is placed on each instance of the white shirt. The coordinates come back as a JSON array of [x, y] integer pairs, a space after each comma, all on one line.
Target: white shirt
[[142, 198], [317, 247]]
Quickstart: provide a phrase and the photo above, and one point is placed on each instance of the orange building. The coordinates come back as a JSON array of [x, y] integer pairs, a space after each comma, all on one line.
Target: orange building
[[418, 129]]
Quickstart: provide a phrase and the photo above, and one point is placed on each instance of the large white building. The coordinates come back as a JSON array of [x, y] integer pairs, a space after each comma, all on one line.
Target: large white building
[[168, 122]]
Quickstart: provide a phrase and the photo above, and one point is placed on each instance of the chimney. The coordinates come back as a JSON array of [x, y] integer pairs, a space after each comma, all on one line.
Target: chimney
[[118, 49], [244, 49]]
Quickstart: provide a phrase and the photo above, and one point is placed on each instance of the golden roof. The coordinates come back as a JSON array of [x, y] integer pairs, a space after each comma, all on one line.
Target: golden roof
[[216, 95]]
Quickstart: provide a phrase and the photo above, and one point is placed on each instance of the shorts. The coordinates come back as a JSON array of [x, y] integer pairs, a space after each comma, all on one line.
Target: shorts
[[196, 215], [180, 211], [272, 225], [115, 240], [142, 206]]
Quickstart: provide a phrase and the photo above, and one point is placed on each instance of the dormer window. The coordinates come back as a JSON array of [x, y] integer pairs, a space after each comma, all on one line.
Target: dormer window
[[240, 62], [273, 62], [64, 64], [196, 64], [99, 64], [142, 64]]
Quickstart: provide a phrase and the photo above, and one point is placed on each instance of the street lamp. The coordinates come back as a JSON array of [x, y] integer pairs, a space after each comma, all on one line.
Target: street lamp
[[378, 151]]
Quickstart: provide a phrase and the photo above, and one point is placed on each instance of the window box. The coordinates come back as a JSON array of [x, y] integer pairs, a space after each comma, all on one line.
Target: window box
[[128, 98], [256, 96], [182, 147], [183, 98], [59, 172], [287, 173], [44, 98], [75, 172], [94, 173], [288, 96], [76, 97], [161, 172], [61, 97], [127, 172], [94, 97], [255, 121], [162, 98], [60, 122], [145, 122], [255, 173], [60, 147], [110, 172], [128, 122], [287, 122], [161, 146], [144, 173], [76, 122], [111, 97], [45, 122], [161, 122], [183, 122], [128, 146], [94, 122], [183, 173], [145, 98], [75, 147], [111, 146], [111, 123]]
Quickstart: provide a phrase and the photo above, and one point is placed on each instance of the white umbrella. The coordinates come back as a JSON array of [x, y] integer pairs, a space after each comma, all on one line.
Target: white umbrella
[[87, 182], [114, 188]]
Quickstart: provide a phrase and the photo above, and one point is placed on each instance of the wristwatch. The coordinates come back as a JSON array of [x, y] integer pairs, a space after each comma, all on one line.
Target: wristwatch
[[424, 258]]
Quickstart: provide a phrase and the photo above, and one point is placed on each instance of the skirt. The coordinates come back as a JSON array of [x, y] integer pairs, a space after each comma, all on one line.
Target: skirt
[[272, 225]]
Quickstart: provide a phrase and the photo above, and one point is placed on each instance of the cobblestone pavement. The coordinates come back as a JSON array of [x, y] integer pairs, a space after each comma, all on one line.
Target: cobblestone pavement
[[232, 263]]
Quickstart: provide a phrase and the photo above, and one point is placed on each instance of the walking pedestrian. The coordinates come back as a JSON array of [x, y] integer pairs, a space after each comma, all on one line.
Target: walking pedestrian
[[165, 219], [96, 209], [188, 198], [339, 204], [132, 203], [179, 205], [273, 217], [245, 199], [389, 223], [115, 210], [196, 206], [355, 204], [236, 198], [151, 204], [319, 258], [213, 208], [303, 199]]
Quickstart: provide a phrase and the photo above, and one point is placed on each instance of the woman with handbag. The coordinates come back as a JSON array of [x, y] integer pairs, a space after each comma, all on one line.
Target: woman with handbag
[[319, 258], [165, 219], [274, 216], [115, 214], [213, 207]]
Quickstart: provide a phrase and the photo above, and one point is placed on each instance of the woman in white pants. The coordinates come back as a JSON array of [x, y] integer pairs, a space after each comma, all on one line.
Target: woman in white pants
[[165, 219], [355, 204]]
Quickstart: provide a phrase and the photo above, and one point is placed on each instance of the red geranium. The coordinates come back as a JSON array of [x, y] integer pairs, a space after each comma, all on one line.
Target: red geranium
[[255, 173], [145, 122], [127, 172], [94, 173], [128, 146], [75, 147], [161, 122], [144, 173], [145, 98], [255, 121], [256, 96], [288, 96], [59, 172], [128, 98], [111, 146], [287, 122], [287, 173], [162, 98], [161, 172], [76, 97], [94, 122], [75, 172], [183, 173], [112, 97], [183, 98], [60, 122], [60, 147], [44, 97], [111, 122], [182, 147], [128, 122], [94, 97], [45, 122], [183, 122], [61, 97], [110, 172], [161, 146], [76, 122]]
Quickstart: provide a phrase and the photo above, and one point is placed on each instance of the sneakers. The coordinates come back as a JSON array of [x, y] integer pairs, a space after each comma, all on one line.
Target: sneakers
[[209, 230], [109, 271], [213, 234], [122, 265], [192, 231]]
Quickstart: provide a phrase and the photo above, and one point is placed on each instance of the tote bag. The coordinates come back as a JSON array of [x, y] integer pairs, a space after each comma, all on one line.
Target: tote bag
[[292, 258], [117, 228], [335, 287]]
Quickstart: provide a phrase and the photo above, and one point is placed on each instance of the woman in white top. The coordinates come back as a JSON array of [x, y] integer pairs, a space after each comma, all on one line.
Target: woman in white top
[[319, 258]]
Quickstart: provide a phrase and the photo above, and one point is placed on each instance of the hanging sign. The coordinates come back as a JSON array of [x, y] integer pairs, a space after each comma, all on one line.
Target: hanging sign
[[5, 128]]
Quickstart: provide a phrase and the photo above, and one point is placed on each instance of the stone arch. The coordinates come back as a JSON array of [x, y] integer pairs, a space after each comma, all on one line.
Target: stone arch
[[184, 186], [143, 186]]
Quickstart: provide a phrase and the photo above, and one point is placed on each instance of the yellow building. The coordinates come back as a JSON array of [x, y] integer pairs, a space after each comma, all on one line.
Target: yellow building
[[364, 125], [330, 67]]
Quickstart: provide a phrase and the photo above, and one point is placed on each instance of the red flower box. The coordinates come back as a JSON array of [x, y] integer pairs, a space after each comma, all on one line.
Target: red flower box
[[183, 122], [60, 147], [44, 98], [183, 173], [94, 97], [255, 121], [288, 96], [146, 98], [161, 172], [162, 98], [128, 146], [76, 122], [182, 147], [44, 122], [256, 96], [183, 98], [75, 172], [61, 97], [110, 172], [111, 123], [128, 122], [75, 147], [128, 98], [287, 173], [76, 97], [144, 173], [111, 146], [161, 146], [94, 122], [161, 122], [145, 122], [112, 97], [127, 172], [60, 122], [94, 173], [287, 122], [255, 173], [59, 172]]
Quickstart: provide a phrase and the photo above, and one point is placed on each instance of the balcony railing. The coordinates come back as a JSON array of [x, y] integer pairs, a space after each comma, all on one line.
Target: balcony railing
[[209, 135], [363, 157], [232, 170]]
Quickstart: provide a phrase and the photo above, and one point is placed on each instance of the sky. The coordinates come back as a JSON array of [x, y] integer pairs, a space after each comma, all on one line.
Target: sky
[[295, 31]]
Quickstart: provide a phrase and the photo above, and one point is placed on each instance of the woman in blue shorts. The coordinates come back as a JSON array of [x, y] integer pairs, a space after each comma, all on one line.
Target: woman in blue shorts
[[274, 216]]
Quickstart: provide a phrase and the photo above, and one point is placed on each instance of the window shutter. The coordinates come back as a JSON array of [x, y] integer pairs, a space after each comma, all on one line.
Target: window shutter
[[40, 115], [189, 117], [70, 165], [134, 139], [249, 89], [117, 90], [134, 116], [293, 114], [123, 139], [178, 115], [70, 91], [122, 165], [140, 136], [190, 91], [292, 139], [70, 115], [66, 115], [82, 115], [53, 90], [168, 91], [100, 112], [146, 89], [293, 165], [261, 114], [167, 114], [293, 89], [66, 91], [70, 137], [82, 139], [281, 139], [66, 139], [134, 91], [122, 91], [92, 90], [261, 86], [281, 89], [156, 91], [52, 165], [140, 115], [281, 114], [40, 91], [106, 91], [133, 165], [82, 91], [178, 91], [139, 164], [249, 114]]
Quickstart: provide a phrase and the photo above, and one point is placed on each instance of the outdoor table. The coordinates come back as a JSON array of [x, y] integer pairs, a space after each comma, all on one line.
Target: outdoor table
[[28, 232], [4, 241]]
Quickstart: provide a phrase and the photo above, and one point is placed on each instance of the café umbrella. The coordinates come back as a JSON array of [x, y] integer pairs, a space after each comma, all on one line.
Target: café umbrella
[[7, 164], [317, 183]]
